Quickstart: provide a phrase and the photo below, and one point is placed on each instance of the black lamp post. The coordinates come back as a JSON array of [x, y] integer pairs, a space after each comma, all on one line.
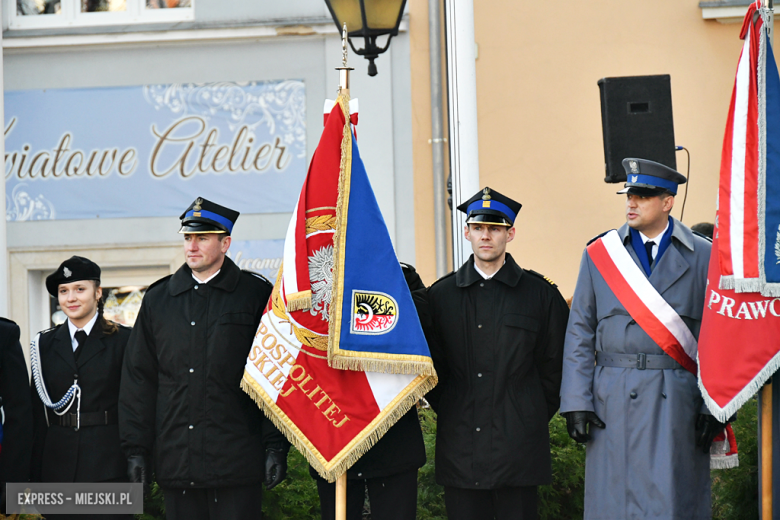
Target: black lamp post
[[368, 19]]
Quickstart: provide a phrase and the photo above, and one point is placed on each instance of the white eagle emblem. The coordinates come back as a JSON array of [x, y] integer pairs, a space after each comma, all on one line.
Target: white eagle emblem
[[634, 178], [321, 278], [634, 166], [67, 272]]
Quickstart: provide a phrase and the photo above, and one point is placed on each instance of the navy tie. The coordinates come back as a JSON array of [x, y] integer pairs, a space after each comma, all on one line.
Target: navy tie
[[81, 338], [649, 248]]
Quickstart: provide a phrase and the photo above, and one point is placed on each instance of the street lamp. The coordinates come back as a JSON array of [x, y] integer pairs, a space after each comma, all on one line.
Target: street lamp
[[368, 19]]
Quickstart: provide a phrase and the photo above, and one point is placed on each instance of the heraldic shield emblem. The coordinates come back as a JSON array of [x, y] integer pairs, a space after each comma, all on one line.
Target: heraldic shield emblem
[[373, 312]]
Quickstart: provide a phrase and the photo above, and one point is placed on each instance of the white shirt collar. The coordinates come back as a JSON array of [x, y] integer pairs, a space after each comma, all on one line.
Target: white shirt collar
[[656, 240], [87, 328], [487, 276], [207, 280]]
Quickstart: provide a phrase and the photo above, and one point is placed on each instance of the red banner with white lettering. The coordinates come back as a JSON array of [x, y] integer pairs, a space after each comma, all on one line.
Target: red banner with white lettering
[[739, 343]]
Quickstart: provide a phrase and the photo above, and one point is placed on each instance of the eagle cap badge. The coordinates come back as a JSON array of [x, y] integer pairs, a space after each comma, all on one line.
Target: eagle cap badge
[[486, 194], [198, 202], [634, 166], [66, 272]]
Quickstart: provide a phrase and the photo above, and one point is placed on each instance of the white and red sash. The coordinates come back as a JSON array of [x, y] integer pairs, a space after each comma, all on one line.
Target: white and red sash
[[642, 301]]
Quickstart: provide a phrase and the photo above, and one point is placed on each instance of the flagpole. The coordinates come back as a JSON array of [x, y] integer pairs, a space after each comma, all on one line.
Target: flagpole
[[341, 482], [765, 450]]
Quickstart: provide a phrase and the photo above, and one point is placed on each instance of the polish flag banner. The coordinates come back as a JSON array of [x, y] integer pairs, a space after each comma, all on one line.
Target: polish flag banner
[[749, 188], [339, 355]]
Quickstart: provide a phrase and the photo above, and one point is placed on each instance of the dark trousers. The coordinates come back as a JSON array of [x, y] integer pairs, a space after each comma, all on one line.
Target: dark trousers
[[391, 498], [515, 503], [243, 503]]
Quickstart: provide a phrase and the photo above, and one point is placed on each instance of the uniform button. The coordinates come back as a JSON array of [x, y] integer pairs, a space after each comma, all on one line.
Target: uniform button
[[191, 427], [479, 374], [192, 370], [192, 483], [478, 429], [482, 285], [360, 474], [75, 376], [192, 323], [632, 395], [476, 483], [196, 287], [479, 326], [663, 394]]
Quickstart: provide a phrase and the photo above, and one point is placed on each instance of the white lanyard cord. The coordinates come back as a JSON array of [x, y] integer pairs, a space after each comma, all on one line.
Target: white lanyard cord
[[62, 406]]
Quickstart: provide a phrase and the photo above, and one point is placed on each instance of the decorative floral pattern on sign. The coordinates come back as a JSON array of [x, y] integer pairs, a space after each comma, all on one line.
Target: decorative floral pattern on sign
[[281, 106], [22, 206]]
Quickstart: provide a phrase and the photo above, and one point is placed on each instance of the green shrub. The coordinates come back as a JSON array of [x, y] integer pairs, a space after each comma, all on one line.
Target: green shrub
[[296, 497], [564, 498]]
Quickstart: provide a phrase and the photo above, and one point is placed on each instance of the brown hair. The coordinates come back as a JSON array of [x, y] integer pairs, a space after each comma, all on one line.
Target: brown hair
[[108, 326]]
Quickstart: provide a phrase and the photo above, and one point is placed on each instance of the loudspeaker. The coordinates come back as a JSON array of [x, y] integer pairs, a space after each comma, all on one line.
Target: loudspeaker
[[636, 119]]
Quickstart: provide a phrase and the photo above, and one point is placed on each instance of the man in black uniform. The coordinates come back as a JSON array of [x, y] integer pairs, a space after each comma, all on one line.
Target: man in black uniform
[[388, 470], [17, 409], [496, 336], [180, 400]]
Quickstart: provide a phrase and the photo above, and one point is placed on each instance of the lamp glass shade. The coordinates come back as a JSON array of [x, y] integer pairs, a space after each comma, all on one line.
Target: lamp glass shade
[[383, 14], [347, 11]]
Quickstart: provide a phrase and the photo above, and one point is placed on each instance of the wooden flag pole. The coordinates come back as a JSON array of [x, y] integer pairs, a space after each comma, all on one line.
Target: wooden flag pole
[[341, 482], [765, 434], [341, 497]]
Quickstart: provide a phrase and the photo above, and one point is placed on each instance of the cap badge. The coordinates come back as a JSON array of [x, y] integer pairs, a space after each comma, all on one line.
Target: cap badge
[[634, 166], [634, 178], [486, 194], [66, 272], [196, 207]]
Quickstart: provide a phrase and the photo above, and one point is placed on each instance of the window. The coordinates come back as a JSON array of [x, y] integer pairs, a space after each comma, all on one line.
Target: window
[[31, 14]]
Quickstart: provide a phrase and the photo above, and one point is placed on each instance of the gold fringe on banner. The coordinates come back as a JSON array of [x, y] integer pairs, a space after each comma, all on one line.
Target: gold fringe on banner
[[299, 301], [346, 458]]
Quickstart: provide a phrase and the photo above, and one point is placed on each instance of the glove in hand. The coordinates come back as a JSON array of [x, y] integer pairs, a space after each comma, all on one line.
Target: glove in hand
[[577, 424], [707, 427], [275, 467], [136, 472]]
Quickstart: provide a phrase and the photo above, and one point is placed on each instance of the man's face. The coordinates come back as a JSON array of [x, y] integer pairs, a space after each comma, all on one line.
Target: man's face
[[204, 250], [488, 241], [647, 212]]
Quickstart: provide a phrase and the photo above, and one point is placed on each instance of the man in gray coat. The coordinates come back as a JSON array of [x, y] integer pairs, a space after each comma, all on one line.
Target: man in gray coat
[[647, 456]]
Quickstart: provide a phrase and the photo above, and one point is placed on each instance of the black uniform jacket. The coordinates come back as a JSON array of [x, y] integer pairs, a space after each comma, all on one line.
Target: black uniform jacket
[[17, 407], [497, 346], [401, 448], [181, 398], [91, 453]]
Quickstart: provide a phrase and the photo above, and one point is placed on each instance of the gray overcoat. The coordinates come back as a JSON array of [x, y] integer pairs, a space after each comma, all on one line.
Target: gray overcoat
[[645, 463]]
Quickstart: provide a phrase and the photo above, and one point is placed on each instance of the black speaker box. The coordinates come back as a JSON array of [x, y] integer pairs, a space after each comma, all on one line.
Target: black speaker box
[[636, 119]]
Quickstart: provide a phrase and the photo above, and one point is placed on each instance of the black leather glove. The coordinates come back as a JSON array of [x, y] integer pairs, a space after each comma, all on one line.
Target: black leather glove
[[707, 427], [275, 467], [136, 472], [577, 424]]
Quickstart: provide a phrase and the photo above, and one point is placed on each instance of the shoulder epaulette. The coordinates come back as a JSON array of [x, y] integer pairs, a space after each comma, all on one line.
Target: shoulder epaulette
[[158, 282], [48, 330], [443, 278], [258, 275], [598, 236], [540, 275], [705, 237]]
